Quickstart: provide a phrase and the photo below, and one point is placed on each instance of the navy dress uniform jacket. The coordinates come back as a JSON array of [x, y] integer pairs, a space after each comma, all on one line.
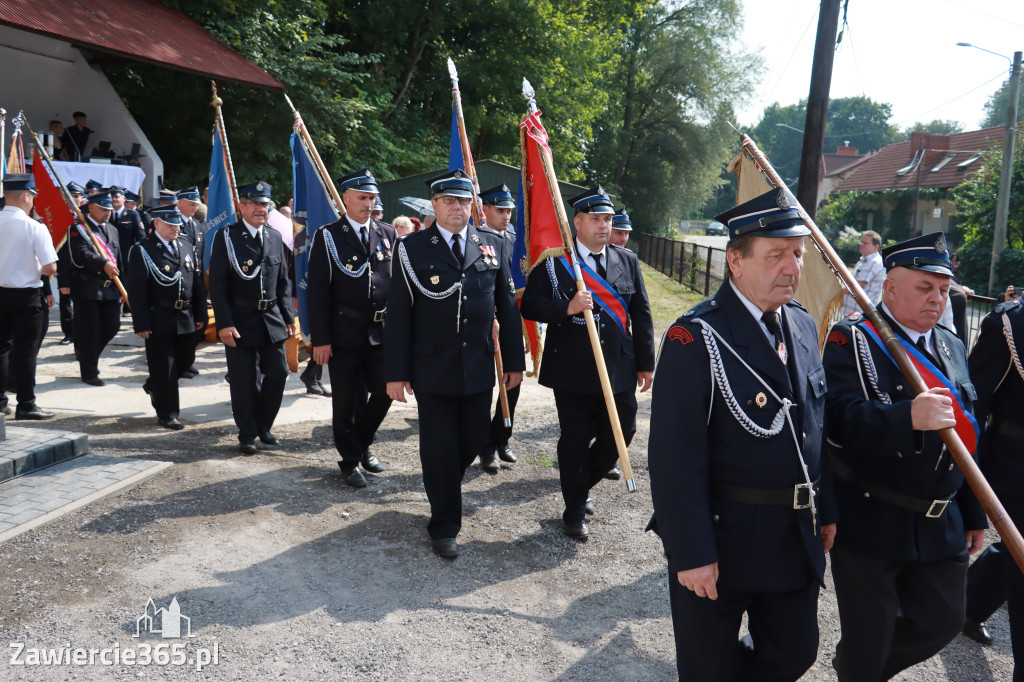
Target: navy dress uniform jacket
[[152, 303], [235, 299], [879, 442], [696, 443], [424, 344], [569, 359], [88, 279], [330, 290], [195, 231], [999, 379], [129, 226]]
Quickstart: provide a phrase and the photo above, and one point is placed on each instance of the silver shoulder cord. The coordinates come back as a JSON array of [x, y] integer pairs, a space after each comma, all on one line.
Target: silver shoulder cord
[[556, 293], [436, 295], [364, 269], [1008, 333], [233, 259], [161, 279], [711, 340], [866, 366]]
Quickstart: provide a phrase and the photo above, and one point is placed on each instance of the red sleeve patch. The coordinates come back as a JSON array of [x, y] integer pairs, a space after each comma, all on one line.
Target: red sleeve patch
[[680, 334], [836, 337]]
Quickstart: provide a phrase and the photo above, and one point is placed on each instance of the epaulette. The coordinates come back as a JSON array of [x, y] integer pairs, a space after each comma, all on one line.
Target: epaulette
[[707, 305], [1005, 306], [797, 304]]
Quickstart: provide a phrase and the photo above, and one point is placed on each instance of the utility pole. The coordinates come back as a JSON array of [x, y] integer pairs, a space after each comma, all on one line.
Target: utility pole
[[817, 106], [1003, 200]]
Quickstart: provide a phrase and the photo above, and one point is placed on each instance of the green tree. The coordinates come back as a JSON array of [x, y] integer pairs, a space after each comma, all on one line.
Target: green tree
[[936, 127], [995, 107]]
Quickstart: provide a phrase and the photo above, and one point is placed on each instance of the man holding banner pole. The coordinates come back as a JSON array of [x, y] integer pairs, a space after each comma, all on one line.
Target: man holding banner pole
[[908, 519], [586, 446]]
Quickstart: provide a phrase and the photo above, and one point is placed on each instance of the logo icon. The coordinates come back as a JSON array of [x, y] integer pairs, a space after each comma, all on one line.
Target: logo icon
[[166, 622]]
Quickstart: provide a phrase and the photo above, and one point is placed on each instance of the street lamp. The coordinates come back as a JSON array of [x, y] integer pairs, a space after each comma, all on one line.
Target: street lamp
[[1003, 200], [783, 125]]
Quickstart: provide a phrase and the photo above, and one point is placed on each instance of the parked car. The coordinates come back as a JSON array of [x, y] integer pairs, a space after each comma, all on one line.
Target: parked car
[[716, 228]]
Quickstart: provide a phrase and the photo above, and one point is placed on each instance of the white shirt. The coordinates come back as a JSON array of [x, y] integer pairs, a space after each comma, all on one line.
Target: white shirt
[[588, 256], [252, 230], [870, 269], [913, 334], [755, 312], [167, 244], [448, 238], [26, 247]]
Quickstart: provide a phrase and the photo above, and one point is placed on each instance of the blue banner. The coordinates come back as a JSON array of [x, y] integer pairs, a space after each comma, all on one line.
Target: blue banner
[[520, 260], [220, 204], [312, 210], [455, 158]]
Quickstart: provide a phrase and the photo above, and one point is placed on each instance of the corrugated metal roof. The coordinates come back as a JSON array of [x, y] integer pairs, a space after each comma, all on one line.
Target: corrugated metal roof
[[943, 164], [139, 30]]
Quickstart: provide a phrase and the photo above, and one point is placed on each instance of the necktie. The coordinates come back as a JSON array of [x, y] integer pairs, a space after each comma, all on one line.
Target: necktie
[[600, 266], [774, 323], [457, 247], [259, 239], [174, 249], [364, 239], [923, 345]]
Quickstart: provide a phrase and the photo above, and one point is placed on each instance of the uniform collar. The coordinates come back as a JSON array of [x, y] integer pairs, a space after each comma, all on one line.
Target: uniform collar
[[911, 334]]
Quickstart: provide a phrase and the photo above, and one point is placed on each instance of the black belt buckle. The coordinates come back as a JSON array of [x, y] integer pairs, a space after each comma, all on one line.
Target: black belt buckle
[[179, 304], [264, 304], [936, 508], [802, 497], [378, 315]]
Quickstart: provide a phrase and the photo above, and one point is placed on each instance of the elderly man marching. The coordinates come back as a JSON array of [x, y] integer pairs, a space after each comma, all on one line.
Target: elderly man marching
[[169, 305], [735, 458], [908, 519], [349, 281], [252, 305]]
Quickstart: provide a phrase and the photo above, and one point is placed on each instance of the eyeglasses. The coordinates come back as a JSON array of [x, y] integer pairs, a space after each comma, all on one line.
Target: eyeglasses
[[463, 201]]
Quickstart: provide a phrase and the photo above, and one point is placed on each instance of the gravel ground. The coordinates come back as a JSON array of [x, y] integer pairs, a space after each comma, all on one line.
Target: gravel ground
[[292, 575]]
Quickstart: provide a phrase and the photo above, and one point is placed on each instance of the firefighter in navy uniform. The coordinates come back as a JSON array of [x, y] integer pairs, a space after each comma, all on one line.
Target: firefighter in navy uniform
[[252, 305], [350, 264], [741, 500], [586, 446], [195, 231], [450, 285], [95, 298], [168, 306], [908, 520], [997, 370], [498, 205], [67, 311]]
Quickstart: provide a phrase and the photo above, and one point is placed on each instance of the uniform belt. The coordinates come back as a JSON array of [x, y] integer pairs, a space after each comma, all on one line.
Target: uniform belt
[[797, 496], [368, 315], [1008, 429], [933, 509], [174, 305], [261, 304], [103, 281]]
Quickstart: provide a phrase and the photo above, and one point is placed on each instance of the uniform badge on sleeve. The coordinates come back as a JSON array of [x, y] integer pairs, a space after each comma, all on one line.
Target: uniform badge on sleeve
[[837, 338], [680, 334]]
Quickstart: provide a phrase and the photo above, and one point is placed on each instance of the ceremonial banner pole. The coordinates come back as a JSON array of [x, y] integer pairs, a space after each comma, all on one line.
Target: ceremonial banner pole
[[317, 161], [595, 340], [993, 507], [3, 141], [74, 207], [467, 159], [219, 119]]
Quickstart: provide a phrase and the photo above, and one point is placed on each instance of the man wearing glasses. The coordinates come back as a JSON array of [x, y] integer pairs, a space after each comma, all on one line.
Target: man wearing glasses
[[449, 281]]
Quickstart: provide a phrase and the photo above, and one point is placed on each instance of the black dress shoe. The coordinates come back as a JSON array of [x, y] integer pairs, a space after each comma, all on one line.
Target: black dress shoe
[[267, 438], [172, 424], [314, 388], [580, 530], [591, 509], [192, 370], [351, 474], [95, 381], [615, 474], [490, 465], [370, 463], [33, 413], [323, 390], [506, 455], [445, 548], [247, 448], [978, 632], [65, 341]]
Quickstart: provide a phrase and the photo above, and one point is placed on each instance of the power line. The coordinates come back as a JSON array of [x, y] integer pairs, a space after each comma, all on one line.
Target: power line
[[987, 14], [765, 95], [1001, 74]]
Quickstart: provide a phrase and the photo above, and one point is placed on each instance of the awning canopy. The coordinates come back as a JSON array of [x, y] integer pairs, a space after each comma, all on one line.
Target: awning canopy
[[138, 30]]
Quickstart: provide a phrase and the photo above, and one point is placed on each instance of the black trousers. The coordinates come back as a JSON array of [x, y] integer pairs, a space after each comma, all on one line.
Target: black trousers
[[359, 398], [96, 323], [876, 644], [67, 316], [452, 431], [500, 434], [582, 463], [255, 404], [168, 356], [20, 313], [783, 640]]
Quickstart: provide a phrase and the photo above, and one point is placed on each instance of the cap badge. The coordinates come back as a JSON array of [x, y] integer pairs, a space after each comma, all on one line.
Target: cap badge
[[940, 244], [782, 201], [259, 186]]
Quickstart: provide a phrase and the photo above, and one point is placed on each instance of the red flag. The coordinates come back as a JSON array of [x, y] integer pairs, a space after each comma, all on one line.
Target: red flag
[[50, 204], [543, 237]]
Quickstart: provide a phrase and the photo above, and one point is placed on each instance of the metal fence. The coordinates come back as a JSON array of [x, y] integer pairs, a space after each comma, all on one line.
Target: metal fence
[[702, 268]]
